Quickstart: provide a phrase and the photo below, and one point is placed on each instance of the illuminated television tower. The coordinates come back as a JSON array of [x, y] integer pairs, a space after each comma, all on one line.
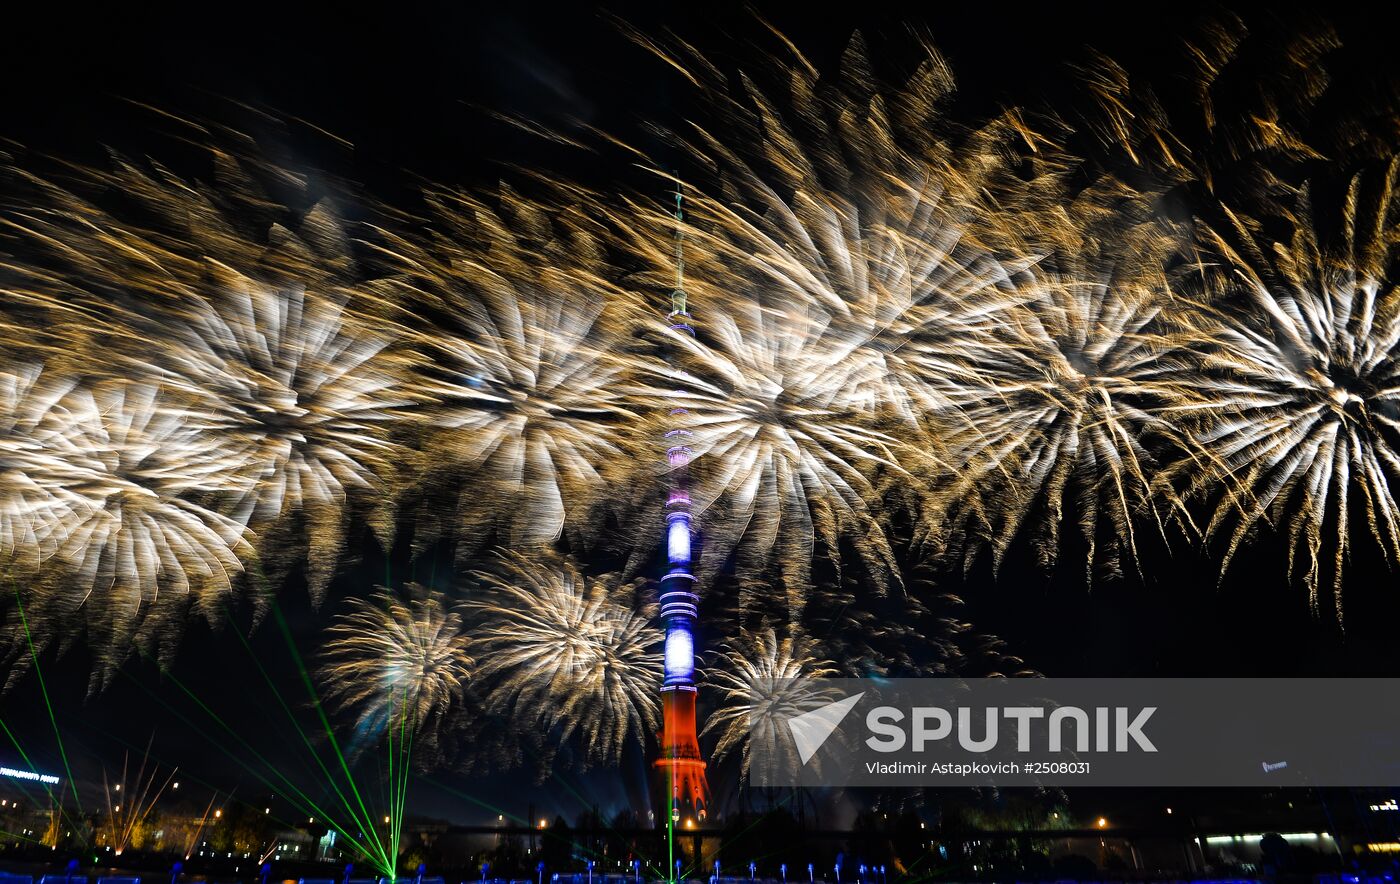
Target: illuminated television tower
[[681, 769]]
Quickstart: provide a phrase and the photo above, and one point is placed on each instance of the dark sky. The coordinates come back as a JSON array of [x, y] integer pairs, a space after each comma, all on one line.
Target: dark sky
[[408, 85]]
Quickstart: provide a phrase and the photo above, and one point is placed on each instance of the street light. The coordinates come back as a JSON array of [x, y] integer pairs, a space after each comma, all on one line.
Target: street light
[[1102, 823]]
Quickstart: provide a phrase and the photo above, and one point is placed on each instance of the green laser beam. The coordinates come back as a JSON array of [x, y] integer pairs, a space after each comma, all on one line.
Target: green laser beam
[[363, 822], [192, 778], [44, 689], [289, 788], [20, 837], [330, 733], [55, 801], [320, 710]]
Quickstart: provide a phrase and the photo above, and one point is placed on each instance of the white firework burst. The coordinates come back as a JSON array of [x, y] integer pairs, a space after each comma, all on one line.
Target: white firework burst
[[139, 546], [1063, 415], [763, 682], [298, 396], [36, 506], [1302, 419], [834, 265], [398, 660], [237, 305], [783, 460], [568, 654], [527, 374]]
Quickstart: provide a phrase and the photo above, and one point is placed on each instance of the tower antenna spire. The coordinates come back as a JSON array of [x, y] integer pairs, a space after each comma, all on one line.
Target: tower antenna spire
[[678, 295]]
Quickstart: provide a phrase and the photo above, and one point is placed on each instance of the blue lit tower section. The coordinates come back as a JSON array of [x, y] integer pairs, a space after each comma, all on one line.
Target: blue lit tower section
[[681, 769]]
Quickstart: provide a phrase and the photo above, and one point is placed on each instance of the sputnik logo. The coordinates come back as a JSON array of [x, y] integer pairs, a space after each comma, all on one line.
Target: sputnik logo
[[811, 729]]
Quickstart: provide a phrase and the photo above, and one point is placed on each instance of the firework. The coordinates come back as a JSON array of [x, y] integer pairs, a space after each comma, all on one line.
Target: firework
[[769, 447], [527, 378], [99, 268], [34, 441], [237, 306], [568, 654], [137, 545], [129, 803], [1063, 415], [834, 268], [398, 661], [297, 397], [1236, 125], [1302, 380], [192, 838], [762, 676], [903, 327], [763, 681]]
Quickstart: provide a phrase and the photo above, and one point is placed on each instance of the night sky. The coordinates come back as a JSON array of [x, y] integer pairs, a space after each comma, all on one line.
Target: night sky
[[411, 86]]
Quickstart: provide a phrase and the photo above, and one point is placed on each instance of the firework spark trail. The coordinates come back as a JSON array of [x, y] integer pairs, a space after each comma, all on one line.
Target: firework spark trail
[[839, 270], [1302, 406], [1247, 99], [238, 306], [560, 651], [919, 634], [35, 439], [762, 681], [139, 800], [396, 660], [138, 549], [192, 838], [527, 365], [1063, 414], [299, 398]]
